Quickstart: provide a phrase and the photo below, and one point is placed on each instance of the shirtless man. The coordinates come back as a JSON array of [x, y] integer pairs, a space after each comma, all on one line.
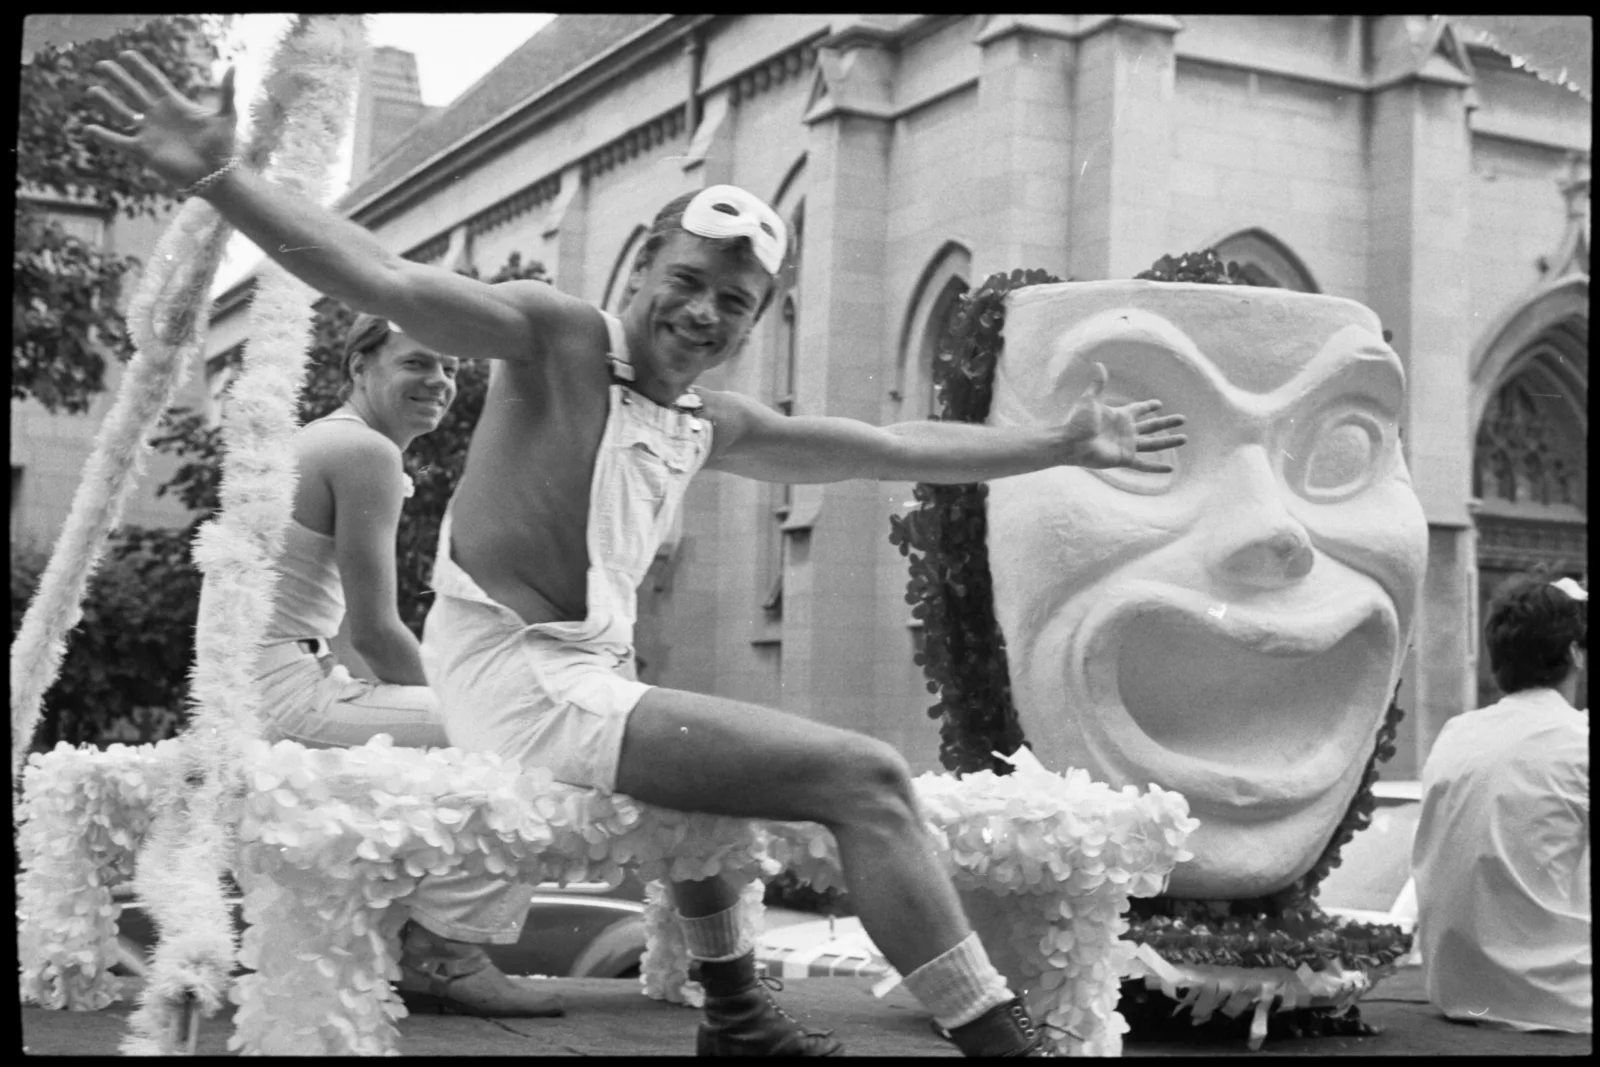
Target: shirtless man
[[588, 438]]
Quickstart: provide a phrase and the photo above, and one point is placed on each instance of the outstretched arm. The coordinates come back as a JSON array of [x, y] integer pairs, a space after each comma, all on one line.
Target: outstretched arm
[[183, 142], [756, 442]]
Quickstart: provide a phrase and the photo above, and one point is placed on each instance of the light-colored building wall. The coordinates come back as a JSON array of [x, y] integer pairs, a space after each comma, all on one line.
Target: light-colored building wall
[[1254, 150], [1517, 217]]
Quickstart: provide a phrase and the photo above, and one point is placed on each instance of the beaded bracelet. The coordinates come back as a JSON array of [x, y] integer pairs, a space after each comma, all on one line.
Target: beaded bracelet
[[211, 179]]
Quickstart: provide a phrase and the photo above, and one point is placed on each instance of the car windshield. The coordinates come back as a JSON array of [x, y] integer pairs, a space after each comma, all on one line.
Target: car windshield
[[1376, 863]]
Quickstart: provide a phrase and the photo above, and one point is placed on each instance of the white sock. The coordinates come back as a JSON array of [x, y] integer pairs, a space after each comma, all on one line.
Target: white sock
[[715, 938], [959, 985]]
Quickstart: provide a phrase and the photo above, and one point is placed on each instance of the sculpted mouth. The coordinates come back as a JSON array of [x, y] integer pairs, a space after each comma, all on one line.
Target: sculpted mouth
[[1252, 706], [1276, 699]]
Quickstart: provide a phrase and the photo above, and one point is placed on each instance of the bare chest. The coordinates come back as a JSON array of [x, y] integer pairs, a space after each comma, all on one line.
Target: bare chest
[[521, 511]]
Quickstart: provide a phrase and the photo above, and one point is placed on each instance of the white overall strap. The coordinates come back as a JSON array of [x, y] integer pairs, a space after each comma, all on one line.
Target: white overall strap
[[617, 356]]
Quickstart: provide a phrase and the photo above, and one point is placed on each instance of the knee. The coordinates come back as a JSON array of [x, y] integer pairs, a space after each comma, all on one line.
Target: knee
[[874, 784]]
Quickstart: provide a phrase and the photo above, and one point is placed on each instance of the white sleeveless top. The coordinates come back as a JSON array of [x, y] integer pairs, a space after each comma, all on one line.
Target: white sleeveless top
[[309, 598]]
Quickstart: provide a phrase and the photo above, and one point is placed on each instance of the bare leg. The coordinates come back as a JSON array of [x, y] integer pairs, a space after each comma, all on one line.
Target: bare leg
[[699, 753]]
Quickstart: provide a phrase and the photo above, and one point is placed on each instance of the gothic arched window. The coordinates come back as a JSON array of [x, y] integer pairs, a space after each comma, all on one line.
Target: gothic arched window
[[933, 305], [782, 385], [939, 320], [1265, 260], [1521, 455], [617, 285]]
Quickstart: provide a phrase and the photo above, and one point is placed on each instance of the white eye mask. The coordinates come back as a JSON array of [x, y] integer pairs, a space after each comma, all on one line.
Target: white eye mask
[[729, 211], [1572, 589]]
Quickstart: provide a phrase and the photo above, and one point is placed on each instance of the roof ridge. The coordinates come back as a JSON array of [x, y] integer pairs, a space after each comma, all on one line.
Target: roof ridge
[[562, 46]]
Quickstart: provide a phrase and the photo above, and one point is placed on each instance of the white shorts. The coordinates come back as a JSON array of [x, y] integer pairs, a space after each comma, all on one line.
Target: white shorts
[[530, 696], [309, 697]]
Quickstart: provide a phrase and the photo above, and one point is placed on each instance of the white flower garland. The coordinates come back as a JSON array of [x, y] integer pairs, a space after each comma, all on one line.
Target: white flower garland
[[664, 967], [1045, 864], [184, 261], [167, 326], [309, 91], [330, 838], [84, 814], [1204, 988]]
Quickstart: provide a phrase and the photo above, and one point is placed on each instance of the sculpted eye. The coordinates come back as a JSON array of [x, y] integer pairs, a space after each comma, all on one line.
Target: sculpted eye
[[1341, 454]]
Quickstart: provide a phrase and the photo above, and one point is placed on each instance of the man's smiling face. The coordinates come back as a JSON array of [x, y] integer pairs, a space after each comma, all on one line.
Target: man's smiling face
[[1232, 630], [694, 305]]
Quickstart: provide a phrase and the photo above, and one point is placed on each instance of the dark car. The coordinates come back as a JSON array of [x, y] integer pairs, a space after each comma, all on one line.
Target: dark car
[[582, 930], [592, 930], [1373, 882]]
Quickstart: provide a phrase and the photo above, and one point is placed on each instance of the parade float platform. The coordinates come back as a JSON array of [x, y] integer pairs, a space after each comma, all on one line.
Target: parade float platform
[[607, 1017]]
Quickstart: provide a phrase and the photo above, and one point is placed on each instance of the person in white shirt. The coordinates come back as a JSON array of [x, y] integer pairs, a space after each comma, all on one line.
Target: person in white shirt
[[1501, 855]]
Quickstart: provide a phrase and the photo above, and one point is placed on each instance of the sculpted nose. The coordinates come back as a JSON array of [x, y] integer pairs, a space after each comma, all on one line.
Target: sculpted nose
[[1278, 559], [1255, 541]]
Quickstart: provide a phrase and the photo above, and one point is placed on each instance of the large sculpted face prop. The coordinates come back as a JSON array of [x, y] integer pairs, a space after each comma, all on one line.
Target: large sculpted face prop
[[1232, 630]]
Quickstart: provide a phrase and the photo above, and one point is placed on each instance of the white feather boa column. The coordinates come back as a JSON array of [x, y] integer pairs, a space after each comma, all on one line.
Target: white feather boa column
[[181, 269], [167, 324], [192, 839]]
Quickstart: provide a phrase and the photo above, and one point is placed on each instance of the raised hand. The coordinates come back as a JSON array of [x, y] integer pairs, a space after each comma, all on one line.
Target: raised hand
[[177, 138], [1100, 435]]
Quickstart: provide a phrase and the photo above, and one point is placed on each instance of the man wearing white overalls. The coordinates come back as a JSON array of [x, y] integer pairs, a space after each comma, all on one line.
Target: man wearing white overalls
[[589, 435]]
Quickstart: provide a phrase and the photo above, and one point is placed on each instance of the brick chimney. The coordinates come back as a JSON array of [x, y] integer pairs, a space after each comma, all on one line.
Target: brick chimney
[[388, 107]]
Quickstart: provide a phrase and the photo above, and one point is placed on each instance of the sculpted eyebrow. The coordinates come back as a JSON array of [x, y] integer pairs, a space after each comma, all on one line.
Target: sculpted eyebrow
[[1137, 337], [1365, 371]]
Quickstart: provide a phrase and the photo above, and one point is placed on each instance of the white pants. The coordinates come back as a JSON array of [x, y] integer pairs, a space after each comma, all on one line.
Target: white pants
[[311, 698]]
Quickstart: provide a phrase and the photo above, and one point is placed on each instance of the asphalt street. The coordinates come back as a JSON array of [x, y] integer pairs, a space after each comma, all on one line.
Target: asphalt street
[[610, 1017]]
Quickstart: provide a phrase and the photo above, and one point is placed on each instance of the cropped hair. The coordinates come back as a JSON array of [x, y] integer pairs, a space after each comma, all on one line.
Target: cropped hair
[[668, 221], [1531, 626], [367, 333]]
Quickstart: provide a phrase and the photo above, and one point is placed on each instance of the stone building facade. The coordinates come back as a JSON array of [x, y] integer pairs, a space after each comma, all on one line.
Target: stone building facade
[[1385, 159]]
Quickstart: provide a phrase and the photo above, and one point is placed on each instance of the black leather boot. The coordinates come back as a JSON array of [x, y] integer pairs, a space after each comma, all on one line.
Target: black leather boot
[[742, 1019], [1004, 1030]]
